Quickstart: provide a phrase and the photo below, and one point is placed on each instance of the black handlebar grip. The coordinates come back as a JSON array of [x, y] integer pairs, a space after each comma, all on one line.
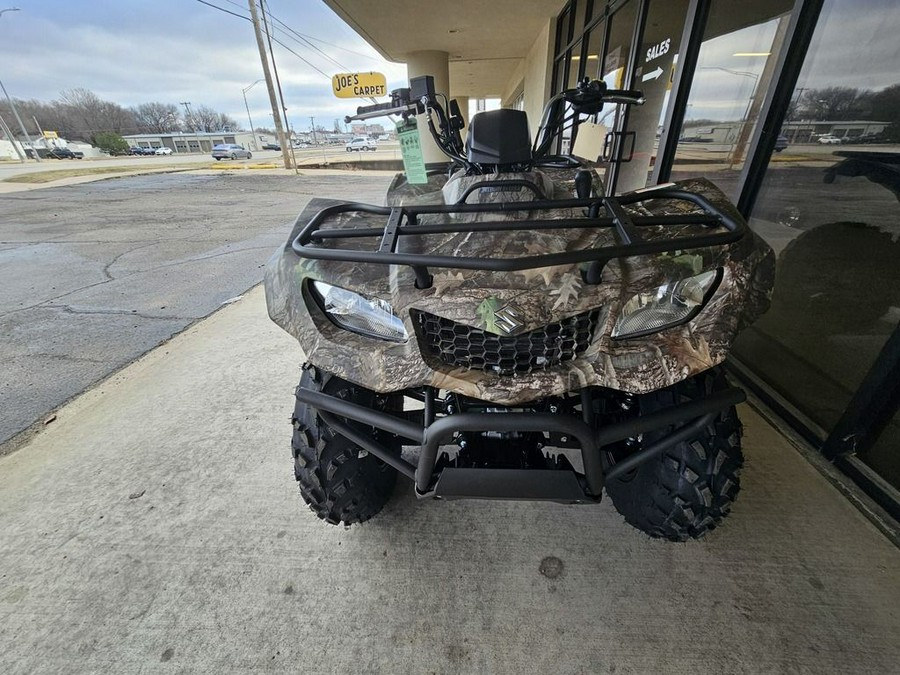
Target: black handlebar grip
[[365, 109], [624, 96]]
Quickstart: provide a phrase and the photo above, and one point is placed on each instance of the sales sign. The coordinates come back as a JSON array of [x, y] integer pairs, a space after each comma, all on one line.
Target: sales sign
[[359, 85]]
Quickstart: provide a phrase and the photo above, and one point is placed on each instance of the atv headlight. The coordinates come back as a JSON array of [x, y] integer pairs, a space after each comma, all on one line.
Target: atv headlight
[[669, 305], [372, 317]]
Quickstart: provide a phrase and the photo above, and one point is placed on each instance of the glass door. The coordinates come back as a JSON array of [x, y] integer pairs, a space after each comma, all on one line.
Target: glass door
[[655, 63]]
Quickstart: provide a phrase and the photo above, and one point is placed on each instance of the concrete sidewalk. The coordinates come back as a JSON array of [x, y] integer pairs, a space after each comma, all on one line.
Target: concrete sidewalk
[[155, 527]]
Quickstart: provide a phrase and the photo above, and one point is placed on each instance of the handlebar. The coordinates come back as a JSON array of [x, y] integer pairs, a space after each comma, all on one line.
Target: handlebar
[[587, 98], [632, 96], [365, 112], [400, 102]]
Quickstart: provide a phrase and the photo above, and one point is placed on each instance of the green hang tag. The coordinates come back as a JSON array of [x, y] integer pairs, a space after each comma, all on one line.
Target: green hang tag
[[411, 150]]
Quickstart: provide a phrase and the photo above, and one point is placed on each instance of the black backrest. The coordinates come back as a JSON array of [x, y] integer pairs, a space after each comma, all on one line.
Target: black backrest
[[499, 137]]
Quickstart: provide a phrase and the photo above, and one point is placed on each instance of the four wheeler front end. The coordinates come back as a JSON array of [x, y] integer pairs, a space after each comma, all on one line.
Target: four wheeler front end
[[503, 331]]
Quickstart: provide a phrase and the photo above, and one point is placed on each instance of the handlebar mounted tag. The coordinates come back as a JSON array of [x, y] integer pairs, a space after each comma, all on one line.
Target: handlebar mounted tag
[[411, 151]]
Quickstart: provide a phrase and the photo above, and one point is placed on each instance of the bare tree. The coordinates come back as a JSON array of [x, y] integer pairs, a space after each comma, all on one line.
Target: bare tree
[[87, 114], [886, 104], [156, 117], [207, 119], [835, 103]]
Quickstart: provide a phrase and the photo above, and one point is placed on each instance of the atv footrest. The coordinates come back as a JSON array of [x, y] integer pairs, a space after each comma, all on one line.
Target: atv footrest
[[525, 484]]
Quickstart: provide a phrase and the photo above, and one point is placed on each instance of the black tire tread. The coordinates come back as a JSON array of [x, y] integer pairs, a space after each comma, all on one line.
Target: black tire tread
[[338, 485], [689, 490]]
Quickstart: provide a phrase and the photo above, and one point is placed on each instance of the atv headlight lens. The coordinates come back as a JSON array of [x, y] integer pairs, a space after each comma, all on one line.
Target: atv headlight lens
[[372, 317], [669, 305]]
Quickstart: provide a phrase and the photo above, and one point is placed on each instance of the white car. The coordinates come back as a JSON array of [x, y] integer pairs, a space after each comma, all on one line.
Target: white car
[[361, 144], [163, 151], [828, 139]]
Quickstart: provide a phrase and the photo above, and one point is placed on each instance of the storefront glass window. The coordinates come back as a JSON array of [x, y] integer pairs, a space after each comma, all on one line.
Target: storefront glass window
[[657, 59], [830, 207], [735, 69]]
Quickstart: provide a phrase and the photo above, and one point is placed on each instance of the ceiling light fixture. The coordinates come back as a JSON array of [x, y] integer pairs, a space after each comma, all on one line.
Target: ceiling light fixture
[[752, 54]]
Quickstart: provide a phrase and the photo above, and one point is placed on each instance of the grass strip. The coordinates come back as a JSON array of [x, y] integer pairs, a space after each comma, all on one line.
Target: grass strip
[[58, 174]]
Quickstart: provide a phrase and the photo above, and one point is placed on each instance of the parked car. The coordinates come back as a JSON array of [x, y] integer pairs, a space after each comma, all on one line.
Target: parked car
[[163, 151], [781, 143], [137, 150], [871, 138], [828, 139], [230, 151], [271, 146], [360, 144], [63, 153]]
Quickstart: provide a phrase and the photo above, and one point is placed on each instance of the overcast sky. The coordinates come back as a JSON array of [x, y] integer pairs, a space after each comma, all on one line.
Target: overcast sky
[[134, 51]]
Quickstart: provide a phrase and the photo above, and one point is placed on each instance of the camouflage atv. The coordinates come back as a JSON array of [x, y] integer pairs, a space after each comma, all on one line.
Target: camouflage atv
[[504, 331]]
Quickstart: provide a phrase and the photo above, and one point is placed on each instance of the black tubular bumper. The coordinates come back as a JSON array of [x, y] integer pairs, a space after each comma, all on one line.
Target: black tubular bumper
[[553, 485]]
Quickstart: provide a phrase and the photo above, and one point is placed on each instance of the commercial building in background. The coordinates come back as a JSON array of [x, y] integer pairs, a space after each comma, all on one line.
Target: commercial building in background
[[727, 83], [197, 141]]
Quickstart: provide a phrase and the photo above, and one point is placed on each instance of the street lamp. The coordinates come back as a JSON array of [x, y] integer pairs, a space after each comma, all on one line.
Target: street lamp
[[252, 133], [13, 105], [739, 145]]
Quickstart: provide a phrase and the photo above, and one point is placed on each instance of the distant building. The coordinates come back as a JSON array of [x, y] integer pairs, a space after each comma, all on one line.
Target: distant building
[[196, 141]]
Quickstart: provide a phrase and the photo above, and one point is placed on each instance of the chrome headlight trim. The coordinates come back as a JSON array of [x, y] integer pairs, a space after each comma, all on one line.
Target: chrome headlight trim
[[370, 317], [675, 303]]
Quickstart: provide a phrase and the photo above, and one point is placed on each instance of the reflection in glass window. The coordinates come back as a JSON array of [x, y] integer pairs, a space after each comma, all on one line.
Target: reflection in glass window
[[657, 58], [735, 68], [830, 206], [612, 72]]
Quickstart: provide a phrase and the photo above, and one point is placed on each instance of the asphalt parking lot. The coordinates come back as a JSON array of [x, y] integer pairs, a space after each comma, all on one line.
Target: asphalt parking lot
[[94, 275]]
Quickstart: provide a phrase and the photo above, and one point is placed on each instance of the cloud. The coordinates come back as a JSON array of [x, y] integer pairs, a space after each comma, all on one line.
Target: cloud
[[175, 50]]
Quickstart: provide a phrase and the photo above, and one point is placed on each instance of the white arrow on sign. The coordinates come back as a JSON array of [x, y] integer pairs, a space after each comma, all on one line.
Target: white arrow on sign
[[653, 74]]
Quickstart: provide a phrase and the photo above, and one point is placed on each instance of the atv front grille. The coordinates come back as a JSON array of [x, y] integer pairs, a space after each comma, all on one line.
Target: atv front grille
[[446, 343]]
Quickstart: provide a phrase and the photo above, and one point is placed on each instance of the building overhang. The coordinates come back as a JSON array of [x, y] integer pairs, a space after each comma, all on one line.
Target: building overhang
[[485, 42]]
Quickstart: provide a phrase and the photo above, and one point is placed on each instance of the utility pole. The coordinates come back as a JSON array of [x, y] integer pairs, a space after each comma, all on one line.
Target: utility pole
[[252, 132], [287, 123], [312, 122], [21, 124], [276, 116], [188, 115], [12, 140]]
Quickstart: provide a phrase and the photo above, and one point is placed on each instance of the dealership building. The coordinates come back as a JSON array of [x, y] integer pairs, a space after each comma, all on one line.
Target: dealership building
[[826, 357]]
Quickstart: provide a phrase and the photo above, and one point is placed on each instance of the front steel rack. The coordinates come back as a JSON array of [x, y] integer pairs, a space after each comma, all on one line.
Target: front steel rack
[[404, 221]]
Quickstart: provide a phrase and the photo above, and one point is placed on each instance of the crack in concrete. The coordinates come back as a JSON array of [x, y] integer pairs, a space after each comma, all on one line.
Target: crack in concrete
[[69, 309], [65, 357], [112, 262], [109, 277], [210, 257]]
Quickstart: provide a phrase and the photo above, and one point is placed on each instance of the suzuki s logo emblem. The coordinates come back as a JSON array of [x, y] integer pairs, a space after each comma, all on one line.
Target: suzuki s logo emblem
[[497, 319], [508, 319]]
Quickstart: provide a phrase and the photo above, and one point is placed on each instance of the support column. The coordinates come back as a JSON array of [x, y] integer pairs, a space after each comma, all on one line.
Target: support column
[[463, 108], [436, 64]]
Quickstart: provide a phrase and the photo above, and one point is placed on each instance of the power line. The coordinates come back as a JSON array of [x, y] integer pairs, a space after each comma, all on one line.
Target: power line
[[246, 18], [303, 40], [300, 38], [222, 9], [316, 39]]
